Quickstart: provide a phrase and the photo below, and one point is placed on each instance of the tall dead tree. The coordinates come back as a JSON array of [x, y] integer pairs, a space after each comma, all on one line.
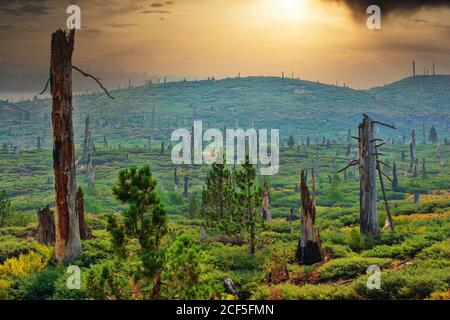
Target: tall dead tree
[[394, 177], [186, 187], [308, 249], [369, 164], [175, 178], [368, 197], [412, 148], [424, 133], [90, 171], [87, 137], [68, 242], [267, 216]]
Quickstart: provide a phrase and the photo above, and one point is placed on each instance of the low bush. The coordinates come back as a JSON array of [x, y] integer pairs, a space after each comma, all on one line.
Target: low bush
[[306, 292], [348, 268]]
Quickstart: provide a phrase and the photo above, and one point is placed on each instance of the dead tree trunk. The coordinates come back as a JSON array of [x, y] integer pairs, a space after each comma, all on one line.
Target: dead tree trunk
[[368, 165], [186, 187], [267, 216], [175, 178], [394, 177], [87, 137], [68, 244], [90, 171], [46, 226], [85, 231], [308, 250], [412, 148]]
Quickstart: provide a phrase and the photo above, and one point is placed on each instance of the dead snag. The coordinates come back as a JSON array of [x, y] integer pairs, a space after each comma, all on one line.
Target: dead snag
[[412, 149], [267, 216], [67, 244], [368, 174], [85, 231], [46, 226], [308, 250], [186, 187]]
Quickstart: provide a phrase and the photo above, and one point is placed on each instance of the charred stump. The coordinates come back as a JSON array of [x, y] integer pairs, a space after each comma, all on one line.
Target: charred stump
[[46, 226], [85, 231], [67, 240], [308, 249]]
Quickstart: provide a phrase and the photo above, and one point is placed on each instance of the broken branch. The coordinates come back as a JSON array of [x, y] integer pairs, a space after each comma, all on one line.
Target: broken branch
[[96, 80]]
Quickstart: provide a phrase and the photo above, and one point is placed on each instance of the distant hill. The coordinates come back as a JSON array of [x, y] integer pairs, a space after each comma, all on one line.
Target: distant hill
[[297, 107]]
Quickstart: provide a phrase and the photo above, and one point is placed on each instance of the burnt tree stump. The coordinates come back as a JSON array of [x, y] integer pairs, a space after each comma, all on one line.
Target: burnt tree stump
[[308, 249], [85, 231], [46, 226]]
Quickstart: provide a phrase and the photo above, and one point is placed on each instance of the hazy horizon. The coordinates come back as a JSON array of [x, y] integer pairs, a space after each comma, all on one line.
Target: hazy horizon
[[316, 40]]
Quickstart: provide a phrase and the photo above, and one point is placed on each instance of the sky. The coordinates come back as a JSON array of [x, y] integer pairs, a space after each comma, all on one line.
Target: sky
[[317, 40]]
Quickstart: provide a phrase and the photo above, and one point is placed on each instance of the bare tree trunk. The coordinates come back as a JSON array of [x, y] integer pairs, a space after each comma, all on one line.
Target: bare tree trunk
[[85, 231], [175, 178], [46, 226], [394, 177], [87, 137], [308, 250], [68, 243], [368, 165], [186, 187], [412, 148], [267, 216]]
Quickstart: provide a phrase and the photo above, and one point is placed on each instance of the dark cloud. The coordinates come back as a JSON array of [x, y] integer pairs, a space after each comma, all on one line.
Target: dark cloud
[[123, 25], [433, 24], [388, 7], [23, 8], [155, 11], [156, 5]]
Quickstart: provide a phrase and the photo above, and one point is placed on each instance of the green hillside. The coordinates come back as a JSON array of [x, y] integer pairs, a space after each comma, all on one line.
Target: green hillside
[[297, 107]]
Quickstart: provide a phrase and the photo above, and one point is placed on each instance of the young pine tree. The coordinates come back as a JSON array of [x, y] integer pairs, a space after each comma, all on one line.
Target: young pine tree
[[249, 201], [145, 221], [219, 201], [5, 209]]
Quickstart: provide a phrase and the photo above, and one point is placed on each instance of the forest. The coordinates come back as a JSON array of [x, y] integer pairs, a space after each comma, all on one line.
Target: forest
[[92, 207]]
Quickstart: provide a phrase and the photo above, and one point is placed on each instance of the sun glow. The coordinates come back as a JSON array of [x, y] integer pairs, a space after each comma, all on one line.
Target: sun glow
[[292, 10]]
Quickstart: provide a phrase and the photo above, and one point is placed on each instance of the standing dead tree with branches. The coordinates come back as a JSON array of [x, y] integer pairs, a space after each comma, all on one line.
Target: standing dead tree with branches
[[369, 165]]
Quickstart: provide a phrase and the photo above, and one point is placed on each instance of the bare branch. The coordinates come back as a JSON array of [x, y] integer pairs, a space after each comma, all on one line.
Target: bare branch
[[357, 138], [351, 164], [96, 80], [384, 174], [380, 145], [46, 86], [379, 161], [386, 125]]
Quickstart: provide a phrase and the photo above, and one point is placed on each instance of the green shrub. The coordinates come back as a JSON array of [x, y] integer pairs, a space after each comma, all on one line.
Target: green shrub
[[40, 285], [347, 268], [400, 251], [11, 247], [401, 285], [337, 250], [306, 292]]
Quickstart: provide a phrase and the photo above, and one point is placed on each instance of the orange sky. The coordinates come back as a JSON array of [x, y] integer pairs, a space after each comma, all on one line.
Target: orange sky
[[317, 40]]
